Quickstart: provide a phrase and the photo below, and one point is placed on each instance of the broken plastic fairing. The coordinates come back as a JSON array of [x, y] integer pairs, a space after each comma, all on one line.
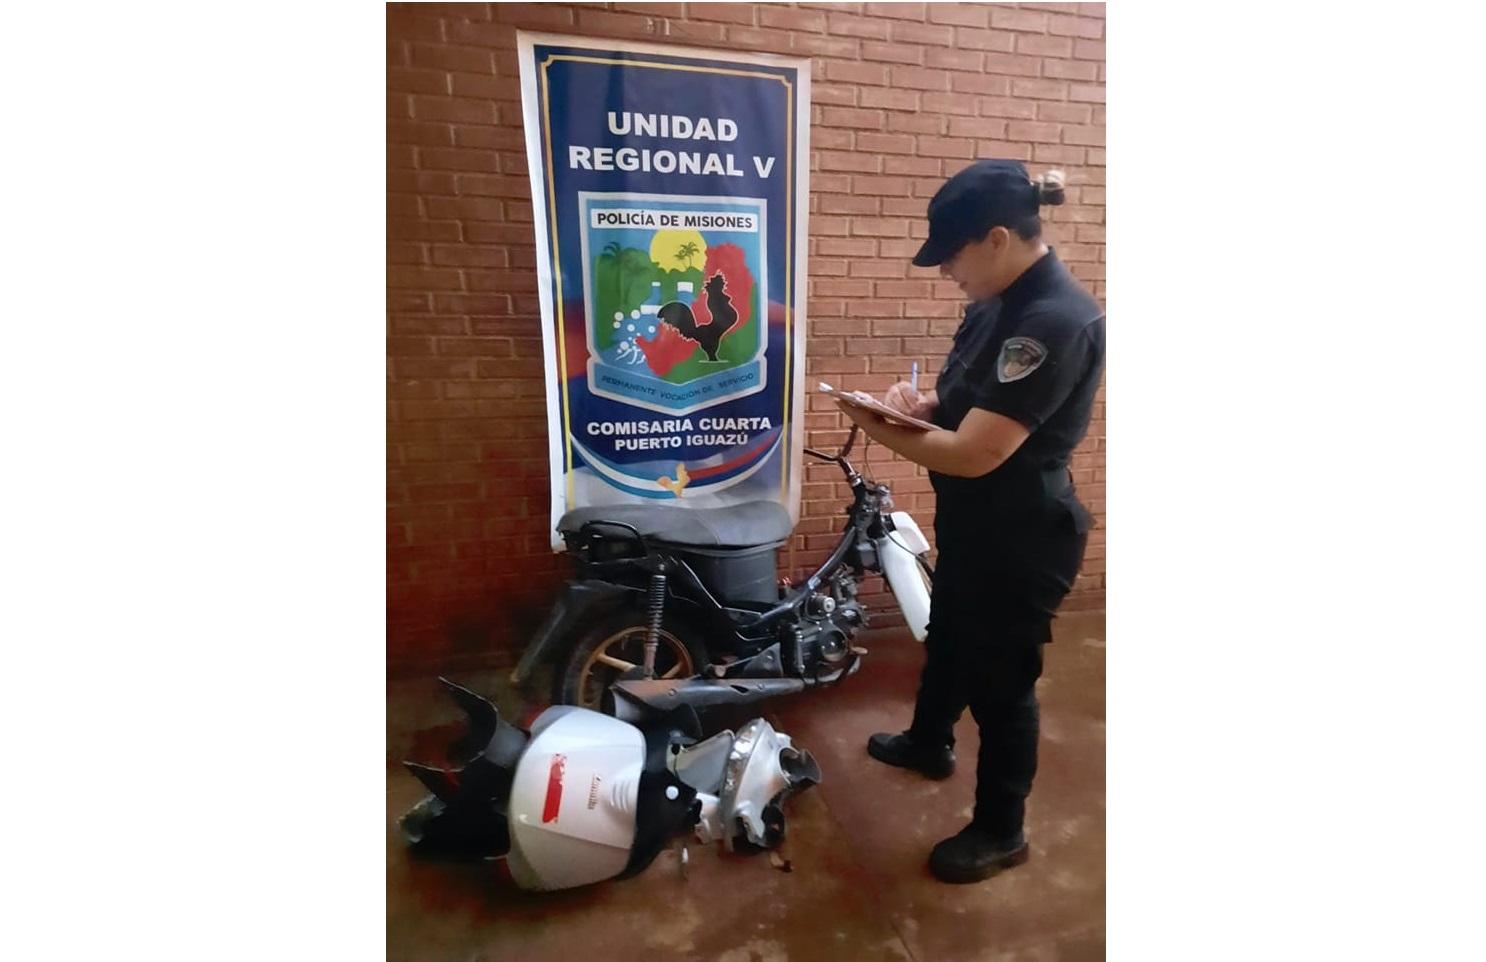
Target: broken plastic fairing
[[585, 796], [742, 781]]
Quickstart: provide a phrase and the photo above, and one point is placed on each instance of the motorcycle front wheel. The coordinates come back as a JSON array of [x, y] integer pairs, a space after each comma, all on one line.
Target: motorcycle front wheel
[[614, 646]]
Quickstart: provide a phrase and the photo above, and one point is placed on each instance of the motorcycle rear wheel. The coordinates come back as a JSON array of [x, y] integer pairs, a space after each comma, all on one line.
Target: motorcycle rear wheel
[[615, 645]]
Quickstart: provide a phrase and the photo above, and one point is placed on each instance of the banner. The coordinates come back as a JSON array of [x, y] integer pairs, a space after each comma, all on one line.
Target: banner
[[669, 189]]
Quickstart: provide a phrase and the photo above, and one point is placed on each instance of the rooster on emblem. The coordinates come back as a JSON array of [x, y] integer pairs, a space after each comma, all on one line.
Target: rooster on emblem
[[724, 316]]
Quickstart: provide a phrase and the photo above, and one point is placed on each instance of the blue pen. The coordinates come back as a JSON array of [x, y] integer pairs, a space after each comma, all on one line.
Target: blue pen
[[914, 382]]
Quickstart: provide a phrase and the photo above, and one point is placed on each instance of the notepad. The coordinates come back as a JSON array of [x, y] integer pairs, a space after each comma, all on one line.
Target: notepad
[[868, 403]]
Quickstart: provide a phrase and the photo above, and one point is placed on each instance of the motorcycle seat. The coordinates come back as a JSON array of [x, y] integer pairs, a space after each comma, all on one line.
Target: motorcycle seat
[[746, 525]]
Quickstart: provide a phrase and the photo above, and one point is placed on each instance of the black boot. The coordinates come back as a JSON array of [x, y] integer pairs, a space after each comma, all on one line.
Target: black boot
[[975, 854], [933, 761]]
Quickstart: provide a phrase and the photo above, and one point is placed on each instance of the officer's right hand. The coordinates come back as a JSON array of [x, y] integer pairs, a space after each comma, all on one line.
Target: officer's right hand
[[903, 397]]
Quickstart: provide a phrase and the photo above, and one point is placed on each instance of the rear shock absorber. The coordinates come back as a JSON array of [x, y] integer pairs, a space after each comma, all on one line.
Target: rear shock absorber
[[656, 603]]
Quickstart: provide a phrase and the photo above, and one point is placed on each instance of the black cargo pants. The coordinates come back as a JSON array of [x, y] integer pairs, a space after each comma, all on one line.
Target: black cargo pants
[[994, 598]]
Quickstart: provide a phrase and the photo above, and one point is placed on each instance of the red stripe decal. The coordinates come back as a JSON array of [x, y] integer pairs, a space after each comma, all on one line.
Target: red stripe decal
[[554, 788]]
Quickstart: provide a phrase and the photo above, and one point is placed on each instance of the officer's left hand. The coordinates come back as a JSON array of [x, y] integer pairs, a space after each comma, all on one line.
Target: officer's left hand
[[860, 416]]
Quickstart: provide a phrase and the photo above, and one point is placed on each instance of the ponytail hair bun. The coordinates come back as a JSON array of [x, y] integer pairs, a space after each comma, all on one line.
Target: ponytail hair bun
[[1049, 189]]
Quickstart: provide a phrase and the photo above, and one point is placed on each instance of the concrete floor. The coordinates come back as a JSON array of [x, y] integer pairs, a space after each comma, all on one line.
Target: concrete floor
[[857, 843]]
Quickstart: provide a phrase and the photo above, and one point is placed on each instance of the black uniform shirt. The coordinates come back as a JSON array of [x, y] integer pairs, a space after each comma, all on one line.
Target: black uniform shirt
[[1034, 354]]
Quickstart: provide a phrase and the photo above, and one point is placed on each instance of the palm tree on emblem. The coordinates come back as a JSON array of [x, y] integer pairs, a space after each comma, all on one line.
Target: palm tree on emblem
[[687, 252]]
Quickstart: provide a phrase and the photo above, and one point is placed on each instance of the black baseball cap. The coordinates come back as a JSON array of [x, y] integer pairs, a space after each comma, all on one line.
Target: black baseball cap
[[988, 193]]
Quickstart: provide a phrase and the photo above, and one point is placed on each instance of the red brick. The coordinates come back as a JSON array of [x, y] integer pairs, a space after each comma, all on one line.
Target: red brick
[[1088, 136], [421, 182], [695, 32], [435, 158], [1064, 113], [454, 11], [416, 230], [822, 225], [854, 117], [847, 246], [1040, 89], [477, 85], [444, 57], [1042, 46], [846, 160], [981, 127], [417, 80], [929, 146], [722, 12], [898, 11], [424, 278], [1069, 26], [919, 78], [917, 123], [777, 15], [480, 34], [1008, 107], [912, 166], [890, 98], [891, 52], [1012, 64], [406, 24], [545, 16], [1088, 49], [1008, 18], [970, 84], [1069, 69], [1003, 150], [960, 14], [857, 73], [401, 252], [1058, 154], [822, 46], [753, 38], [652, 9], [832, 138], [454, 110], [1086, 93], [429, 325], [878, 227], [996, 40], [423, 134], [829, 183], [901, 288], [597, 22], [904, 31], [879, 268], [885, 143], [847, 25], [1033, 131], [970, 60], [838, 95], [958, 104]]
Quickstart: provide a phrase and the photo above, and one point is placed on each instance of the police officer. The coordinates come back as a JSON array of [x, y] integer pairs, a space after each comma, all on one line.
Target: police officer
[[1014, 397]]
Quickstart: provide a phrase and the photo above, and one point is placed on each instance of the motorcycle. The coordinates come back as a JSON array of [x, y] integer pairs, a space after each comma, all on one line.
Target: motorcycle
[[676, 606]]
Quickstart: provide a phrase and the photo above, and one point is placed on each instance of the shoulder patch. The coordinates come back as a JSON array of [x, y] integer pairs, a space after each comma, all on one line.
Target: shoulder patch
[[1019, 357]]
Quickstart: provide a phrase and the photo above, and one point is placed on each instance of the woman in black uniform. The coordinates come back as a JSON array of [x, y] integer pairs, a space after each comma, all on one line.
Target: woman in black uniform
[[1015, 396]]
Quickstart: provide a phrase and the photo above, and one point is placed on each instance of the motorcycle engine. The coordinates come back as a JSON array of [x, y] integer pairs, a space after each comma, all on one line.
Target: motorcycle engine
[[831, 620]]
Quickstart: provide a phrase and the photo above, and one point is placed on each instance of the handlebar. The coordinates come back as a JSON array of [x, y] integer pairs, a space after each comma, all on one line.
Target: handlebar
[[840, 457]]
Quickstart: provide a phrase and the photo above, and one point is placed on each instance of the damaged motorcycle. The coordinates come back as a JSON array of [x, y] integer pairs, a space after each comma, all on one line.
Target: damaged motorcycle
[[675, 606], [584, 797]]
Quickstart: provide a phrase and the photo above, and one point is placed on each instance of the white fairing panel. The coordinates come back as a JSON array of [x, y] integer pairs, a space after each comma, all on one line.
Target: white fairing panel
[[572, 808], [898, 554]]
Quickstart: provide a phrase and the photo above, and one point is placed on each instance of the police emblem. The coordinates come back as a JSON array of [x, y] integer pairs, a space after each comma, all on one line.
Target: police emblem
[[1020, 356]]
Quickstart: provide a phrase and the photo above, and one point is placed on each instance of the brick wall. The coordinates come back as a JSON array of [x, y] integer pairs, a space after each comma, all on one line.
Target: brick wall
[[904, 94]]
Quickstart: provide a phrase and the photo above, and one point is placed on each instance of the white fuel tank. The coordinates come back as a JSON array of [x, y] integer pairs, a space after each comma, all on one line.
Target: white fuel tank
[[573, 798]]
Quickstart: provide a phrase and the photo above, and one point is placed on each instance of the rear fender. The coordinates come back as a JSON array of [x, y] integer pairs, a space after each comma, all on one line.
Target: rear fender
[[579, 602]]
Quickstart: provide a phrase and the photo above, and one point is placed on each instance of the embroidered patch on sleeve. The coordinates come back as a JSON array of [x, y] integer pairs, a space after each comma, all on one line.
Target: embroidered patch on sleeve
[[1019, 357]]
